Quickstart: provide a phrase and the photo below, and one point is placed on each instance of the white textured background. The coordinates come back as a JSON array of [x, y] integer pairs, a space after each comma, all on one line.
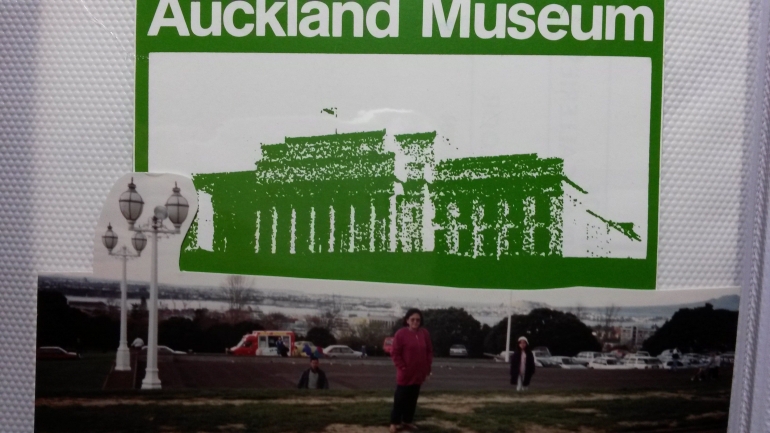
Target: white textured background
[[66, 122]]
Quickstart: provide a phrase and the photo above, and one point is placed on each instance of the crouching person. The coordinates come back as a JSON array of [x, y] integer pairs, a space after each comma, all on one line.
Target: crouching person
[[522, 365], [313, 377]]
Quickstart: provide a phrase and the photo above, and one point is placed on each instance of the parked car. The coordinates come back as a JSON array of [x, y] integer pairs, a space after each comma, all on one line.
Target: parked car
[[586, 357], [653, 363], [340, 351], [546, 362], [668, 355], [610, 355], [694, 360], [52, 352], [458, 350], [668, 365], [565, 362], [634, 356], [165, 350], [642, 353], [643, 362], [607, 364], [501, 356], [727, 358]]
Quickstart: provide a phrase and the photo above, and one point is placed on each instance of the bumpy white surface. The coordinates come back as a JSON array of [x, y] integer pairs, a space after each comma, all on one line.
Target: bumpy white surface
[[66, 122], [708, 86]]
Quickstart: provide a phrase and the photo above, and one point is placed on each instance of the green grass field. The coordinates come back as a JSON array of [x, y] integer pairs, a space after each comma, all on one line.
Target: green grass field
[[70, 399], [344, 411], [65, 376]]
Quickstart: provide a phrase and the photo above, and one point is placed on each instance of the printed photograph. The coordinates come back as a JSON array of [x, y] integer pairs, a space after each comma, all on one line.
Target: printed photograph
[[140, 346]]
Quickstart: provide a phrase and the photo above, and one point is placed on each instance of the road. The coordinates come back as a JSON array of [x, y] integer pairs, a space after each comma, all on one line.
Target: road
[[220, 371]]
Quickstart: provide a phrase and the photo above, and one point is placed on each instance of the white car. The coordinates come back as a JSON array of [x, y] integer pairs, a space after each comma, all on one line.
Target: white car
[[566, 362], [694, 360], [165, 350], [668, 355], [585, 358], [607, 364], [458, 350], [643, 363], [340, 351]]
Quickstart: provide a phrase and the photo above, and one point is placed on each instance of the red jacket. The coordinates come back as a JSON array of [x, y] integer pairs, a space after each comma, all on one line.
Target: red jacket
[[412, 352]]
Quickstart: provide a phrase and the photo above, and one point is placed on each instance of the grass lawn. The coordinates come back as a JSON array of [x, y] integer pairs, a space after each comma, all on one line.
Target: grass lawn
[[702, 408], [65, 376]]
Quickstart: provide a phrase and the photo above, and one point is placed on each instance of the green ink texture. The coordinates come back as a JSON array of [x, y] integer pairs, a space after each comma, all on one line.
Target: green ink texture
[[314, 206]]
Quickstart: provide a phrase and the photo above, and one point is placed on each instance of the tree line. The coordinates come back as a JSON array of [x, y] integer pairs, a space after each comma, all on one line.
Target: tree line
[[563, 333]]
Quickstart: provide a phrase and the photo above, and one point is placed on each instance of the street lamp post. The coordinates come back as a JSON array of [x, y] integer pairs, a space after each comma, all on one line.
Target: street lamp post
[[176, 208], [110, 241]]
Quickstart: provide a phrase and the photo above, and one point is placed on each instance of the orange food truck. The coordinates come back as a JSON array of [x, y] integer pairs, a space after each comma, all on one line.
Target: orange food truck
[[264, 343]]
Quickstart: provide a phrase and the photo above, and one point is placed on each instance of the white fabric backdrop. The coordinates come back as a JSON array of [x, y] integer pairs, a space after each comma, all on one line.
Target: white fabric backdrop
[[66, 126]]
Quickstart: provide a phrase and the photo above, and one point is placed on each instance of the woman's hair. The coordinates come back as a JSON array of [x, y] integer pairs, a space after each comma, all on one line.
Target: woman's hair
[[409, 313]]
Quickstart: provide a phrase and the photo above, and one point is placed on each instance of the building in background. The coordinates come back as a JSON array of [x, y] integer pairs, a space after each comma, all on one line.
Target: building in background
[[366, 192], [634, 336]]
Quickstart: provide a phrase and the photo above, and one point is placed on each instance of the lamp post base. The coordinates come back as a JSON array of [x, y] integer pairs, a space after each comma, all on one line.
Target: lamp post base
[[151, 380], [123, 359]]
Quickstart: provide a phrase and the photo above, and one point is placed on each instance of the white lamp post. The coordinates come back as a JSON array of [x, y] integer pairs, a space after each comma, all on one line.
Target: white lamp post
[[110, 240], [176, 208]]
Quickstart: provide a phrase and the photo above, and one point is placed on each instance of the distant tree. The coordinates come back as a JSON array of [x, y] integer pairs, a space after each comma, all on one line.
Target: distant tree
[[561, 332], [275, 321], [579, 311], [58, 324], [331, 315], [314, 322], [179, 333], [696, 330], [450, 326], [610, 316], [369, 334], [220, 336], [477, 347], [321, 337], [239, 292]]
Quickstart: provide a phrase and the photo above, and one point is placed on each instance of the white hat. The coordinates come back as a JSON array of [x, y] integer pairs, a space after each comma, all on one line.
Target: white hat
[[524, 339]]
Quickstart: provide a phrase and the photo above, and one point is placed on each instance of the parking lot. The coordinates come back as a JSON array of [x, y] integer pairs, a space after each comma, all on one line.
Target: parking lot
[[221, 371]]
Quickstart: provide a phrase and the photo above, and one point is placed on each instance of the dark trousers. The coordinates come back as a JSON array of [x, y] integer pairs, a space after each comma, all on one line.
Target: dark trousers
[[404, 404]]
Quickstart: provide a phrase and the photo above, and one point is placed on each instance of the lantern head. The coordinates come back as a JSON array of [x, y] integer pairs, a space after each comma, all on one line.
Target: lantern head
[[131, 204], [109, 238], [177, 207], [139, 241]]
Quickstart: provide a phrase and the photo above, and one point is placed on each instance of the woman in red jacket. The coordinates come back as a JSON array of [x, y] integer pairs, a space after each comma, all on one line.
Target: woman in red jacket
[[412, 352]]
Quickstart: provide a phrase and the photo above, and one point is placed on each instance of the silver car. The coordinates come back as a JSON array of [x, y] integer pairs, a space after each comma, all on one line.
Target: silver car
[[340, 351], [458, 350]]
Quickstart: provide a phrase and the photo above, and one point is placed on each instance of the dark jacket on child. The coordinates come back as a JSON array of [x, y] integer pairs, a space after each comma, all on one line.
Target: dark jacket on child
[[529, 367]]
